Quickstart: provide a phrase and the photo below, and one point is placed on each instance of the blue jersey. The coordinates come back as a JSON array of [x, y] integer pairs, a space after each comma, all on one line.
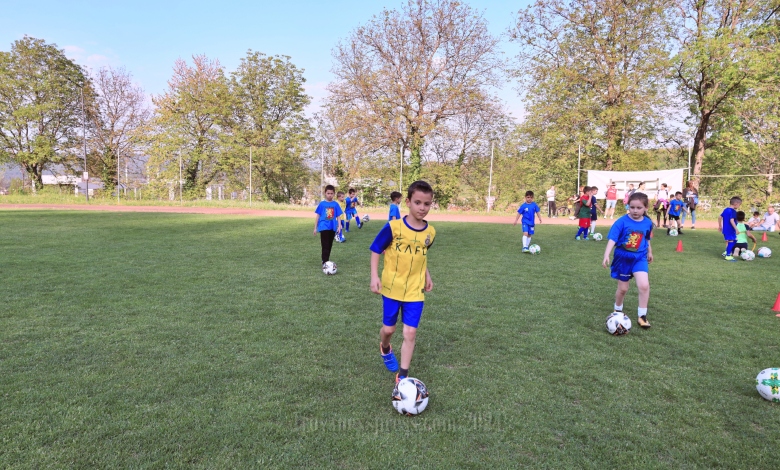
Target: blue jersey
[[631, 237], [728, 215], [352, 203], [675, 207], [329, 213], [529, 210], [593, 205], [395, 212]]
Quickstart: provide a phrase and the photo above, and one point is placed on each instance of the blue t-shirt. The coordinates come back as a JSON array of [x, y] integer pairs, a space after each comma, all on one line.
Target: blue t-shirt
[[329, 213], [631, 237], [395, 212], [728, 215], [675, 207], [593, 204], [528, 210], [351, 203]]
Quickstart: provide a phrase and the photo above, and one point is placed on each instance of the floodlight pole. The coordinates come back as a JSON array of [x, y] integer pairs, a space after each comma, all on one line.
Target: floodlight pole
[[490, 179], [181, 184], [579, 158], [250, 176], [84, 129]]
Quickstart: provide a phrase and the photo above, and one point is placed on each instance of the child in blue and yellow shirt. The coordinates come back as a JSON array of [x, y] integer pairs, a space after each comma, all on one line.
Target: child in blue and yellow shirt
[[405, 277]]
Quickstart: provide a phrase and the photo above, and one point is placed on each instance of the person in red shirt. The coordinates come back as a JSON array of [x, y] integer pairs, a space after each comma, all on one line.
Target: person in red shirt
[[611, 201], [584, 214]]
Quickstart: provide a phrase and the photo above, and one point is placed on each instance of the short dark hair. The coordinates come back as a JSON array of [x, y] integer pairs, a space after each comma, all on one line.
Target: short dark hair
[[351, 190], [593, 187], [395, 195], [330, 188], [740, 216], [529, 193], [641, 197], [340, 193], [419, 186], [585, 189], [678, 192], [735, 200], [756, 213]]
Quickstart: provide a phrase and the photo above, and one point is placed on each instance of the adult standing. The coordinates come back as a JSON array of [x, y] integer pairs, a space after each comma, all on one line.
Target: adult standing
[[771, 221], [691, 198], [551, 209], [609, 210]]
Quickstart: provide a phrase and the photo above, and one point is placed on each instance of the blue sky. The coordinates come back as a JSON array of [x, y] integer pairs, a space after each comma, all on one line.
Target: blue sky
[[146, 37]]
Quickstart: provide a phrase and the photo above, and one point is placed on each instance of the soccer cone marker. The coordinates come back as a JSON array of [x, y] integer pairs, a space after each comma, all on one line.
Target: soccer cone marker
[[776, 308], [679, 246], [763, 237]]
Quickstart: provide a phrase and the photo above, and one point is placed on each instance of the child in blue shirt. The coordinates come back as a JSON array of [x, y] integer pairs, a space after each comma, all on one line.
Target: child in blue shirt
[[326, 222], [727, 225], [395, 211], [630, 236], [675, 210], [527, 210], [352, 203]]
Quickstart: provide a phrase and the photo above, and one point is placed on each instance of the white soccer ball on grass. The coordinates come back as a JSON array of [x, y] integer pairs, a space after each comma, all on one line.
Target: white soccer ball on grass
[[747, 255], [618, 323], [673, 232], [764, 252], [365, 219], [329, 268], [534, 249], [410, 396], [598, 237], [768, 384]]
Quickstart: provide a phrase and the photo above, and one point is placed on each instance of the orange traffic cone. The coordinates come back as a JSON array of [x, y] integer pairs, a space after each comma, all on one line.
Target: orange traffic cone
[[776, 308], [763, 238], [679, 246]]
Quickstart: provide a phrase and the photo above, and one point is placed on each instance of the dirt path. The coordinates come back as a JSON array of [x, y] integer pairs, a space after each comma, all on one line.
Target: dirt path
[[492, 219]]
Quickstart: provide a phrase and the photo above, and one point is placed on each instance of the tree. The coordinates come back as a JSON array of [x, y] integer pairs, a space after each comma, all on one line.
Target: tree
[[718, 60], [267, 114], [406, 72], [40, 106], [188, 121], [118, 112], [594, 73]]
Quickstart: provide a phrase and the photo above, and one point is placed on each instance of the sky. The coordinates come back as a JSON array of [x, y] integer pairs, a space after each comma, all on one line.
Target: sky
[[146, 37]]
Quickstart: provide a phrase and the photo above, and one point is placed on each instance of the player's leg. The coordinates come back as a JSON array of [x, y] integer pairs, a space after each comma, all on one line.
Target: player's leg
[[620, 294], [693, 219], [390, 309], [643, 286], [410, 315], [593, 226], [357, 220], [683, 214], [326, 241], [730, 250]]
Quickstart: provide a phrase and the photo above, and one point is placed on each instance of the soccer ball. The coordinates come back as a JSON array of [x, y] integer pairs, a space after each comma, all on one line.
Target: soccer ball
[[365, 219], [410, 397], [768, 384], [764, 252], [534, 249], [673, 232], [329, 268], [340, 237], [598, 237], [747, 255], [618, 323]]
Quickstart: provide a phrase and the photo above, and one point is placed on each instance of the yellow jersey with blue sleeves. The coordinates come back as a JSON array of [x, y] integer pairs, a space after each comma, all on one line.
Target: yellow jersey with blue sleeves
[[405, 260], [343, 205]]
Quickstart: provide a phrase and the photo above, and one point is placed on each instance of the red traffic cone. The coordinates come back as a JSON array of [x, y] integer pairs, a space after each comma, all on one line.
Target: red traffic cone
[[679, 246], [776, 308], [763, 238]]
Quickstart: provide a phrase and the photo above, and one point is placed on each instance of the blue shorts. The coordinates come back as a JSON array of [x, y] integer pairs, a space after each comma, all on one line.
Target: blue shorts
[[411, 312], [351, 213], [624, 266], [611, 203], [729, 235], [529, 229]]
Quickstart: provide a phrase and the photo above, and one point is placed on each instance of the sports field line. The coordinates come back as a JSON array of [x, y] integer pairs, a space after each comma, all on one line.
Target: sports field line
[[488, 219]]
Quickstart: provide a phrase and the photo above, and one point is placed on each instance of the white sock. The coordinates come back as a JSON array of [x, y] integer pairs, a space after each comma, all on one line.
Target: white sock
[[592, 226], [618, 308], [642, 311], [525, 241]]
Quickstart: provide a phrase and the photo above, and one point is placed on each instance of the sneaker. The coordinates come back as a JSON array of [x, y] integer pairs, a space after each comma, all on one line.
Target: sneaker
[[668, 232], [605, 217], [611, 217], [399, 377], [390, 362], [693, 228], [730, 258], [586, 238], [577, 237], [526, 250], [724, 254], [643, 322]]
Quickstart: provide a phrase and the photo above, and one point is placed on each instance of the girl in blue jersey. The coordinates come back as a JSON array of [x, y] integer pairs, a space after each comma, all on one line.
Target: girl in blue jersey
[[630, 236]]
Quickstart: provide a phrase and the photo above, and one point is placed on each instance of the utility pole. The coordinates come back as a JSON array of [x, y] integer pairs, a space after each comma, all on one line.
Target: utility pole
[[84, 129], [181, 182], [490, 179], [250, 176]]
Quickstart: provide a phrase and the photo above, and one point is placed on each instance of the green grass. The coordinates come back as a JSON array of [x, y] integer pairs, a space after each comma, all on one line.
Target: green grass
[[132, 340]]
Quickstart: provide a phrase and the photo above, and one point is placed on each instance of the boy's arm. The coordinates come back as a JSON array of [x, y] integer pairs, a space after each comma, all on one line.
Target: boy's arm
[[539, 214], [376, 281], [733, 223], [607, 252], [516, 219], [317, 222], [751, 236], [428, 281], [720, 223]]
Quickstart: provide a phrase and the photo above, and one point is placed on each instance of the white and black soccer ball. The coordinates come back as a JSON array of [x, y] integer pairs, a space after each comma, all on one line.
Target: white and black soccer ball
[[410, 396], [764, 252], [768, 384], [534, 249], [598, 237], [329, 268], [365, 219], [340, 237], [618, 323], [673, 232], [747, 255]]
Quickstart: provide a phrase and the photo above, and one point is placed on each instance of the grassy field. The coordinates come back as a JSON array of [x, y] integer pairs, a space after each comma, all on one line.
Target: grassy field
[[132, 340]]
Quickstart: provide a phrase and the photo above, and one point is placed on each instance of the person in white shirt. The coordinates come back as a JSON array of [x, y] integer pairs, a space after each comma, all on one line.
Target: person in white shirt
[[771, 221], [551, 209], [661, 204]]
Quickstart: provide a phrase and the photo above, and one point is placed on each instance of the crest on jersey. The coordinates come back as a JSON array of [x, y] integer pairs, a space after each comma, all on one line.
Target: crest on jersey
[[330, 213], [428, 240]]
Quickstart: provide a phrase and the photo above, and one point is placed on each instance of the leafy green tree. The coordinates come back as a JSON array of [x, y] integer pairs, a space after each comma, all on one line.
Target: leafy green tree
[[267, 114], [40, 106]]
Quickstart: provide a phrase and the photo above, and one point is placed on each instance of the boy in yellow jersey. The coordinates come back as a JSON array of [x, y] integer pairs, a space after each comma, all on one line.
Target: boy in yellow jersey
[[405, 277], [342, 218]]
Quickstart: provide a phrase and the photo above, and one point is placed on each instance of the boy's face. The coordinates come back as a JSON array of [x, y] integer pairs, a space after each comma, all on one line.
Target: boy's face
[[352, 194], [636, 209], [340, 197], [678, 196], [594, 191], [329, 195], [419, 204], [736, 204], [396, 201], [529, 199]]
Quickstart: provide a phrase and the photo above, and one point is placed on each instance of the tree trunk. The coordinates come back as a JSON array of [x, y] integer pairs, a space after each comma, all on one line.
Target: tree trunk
[[415, 159], [699, 145]]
